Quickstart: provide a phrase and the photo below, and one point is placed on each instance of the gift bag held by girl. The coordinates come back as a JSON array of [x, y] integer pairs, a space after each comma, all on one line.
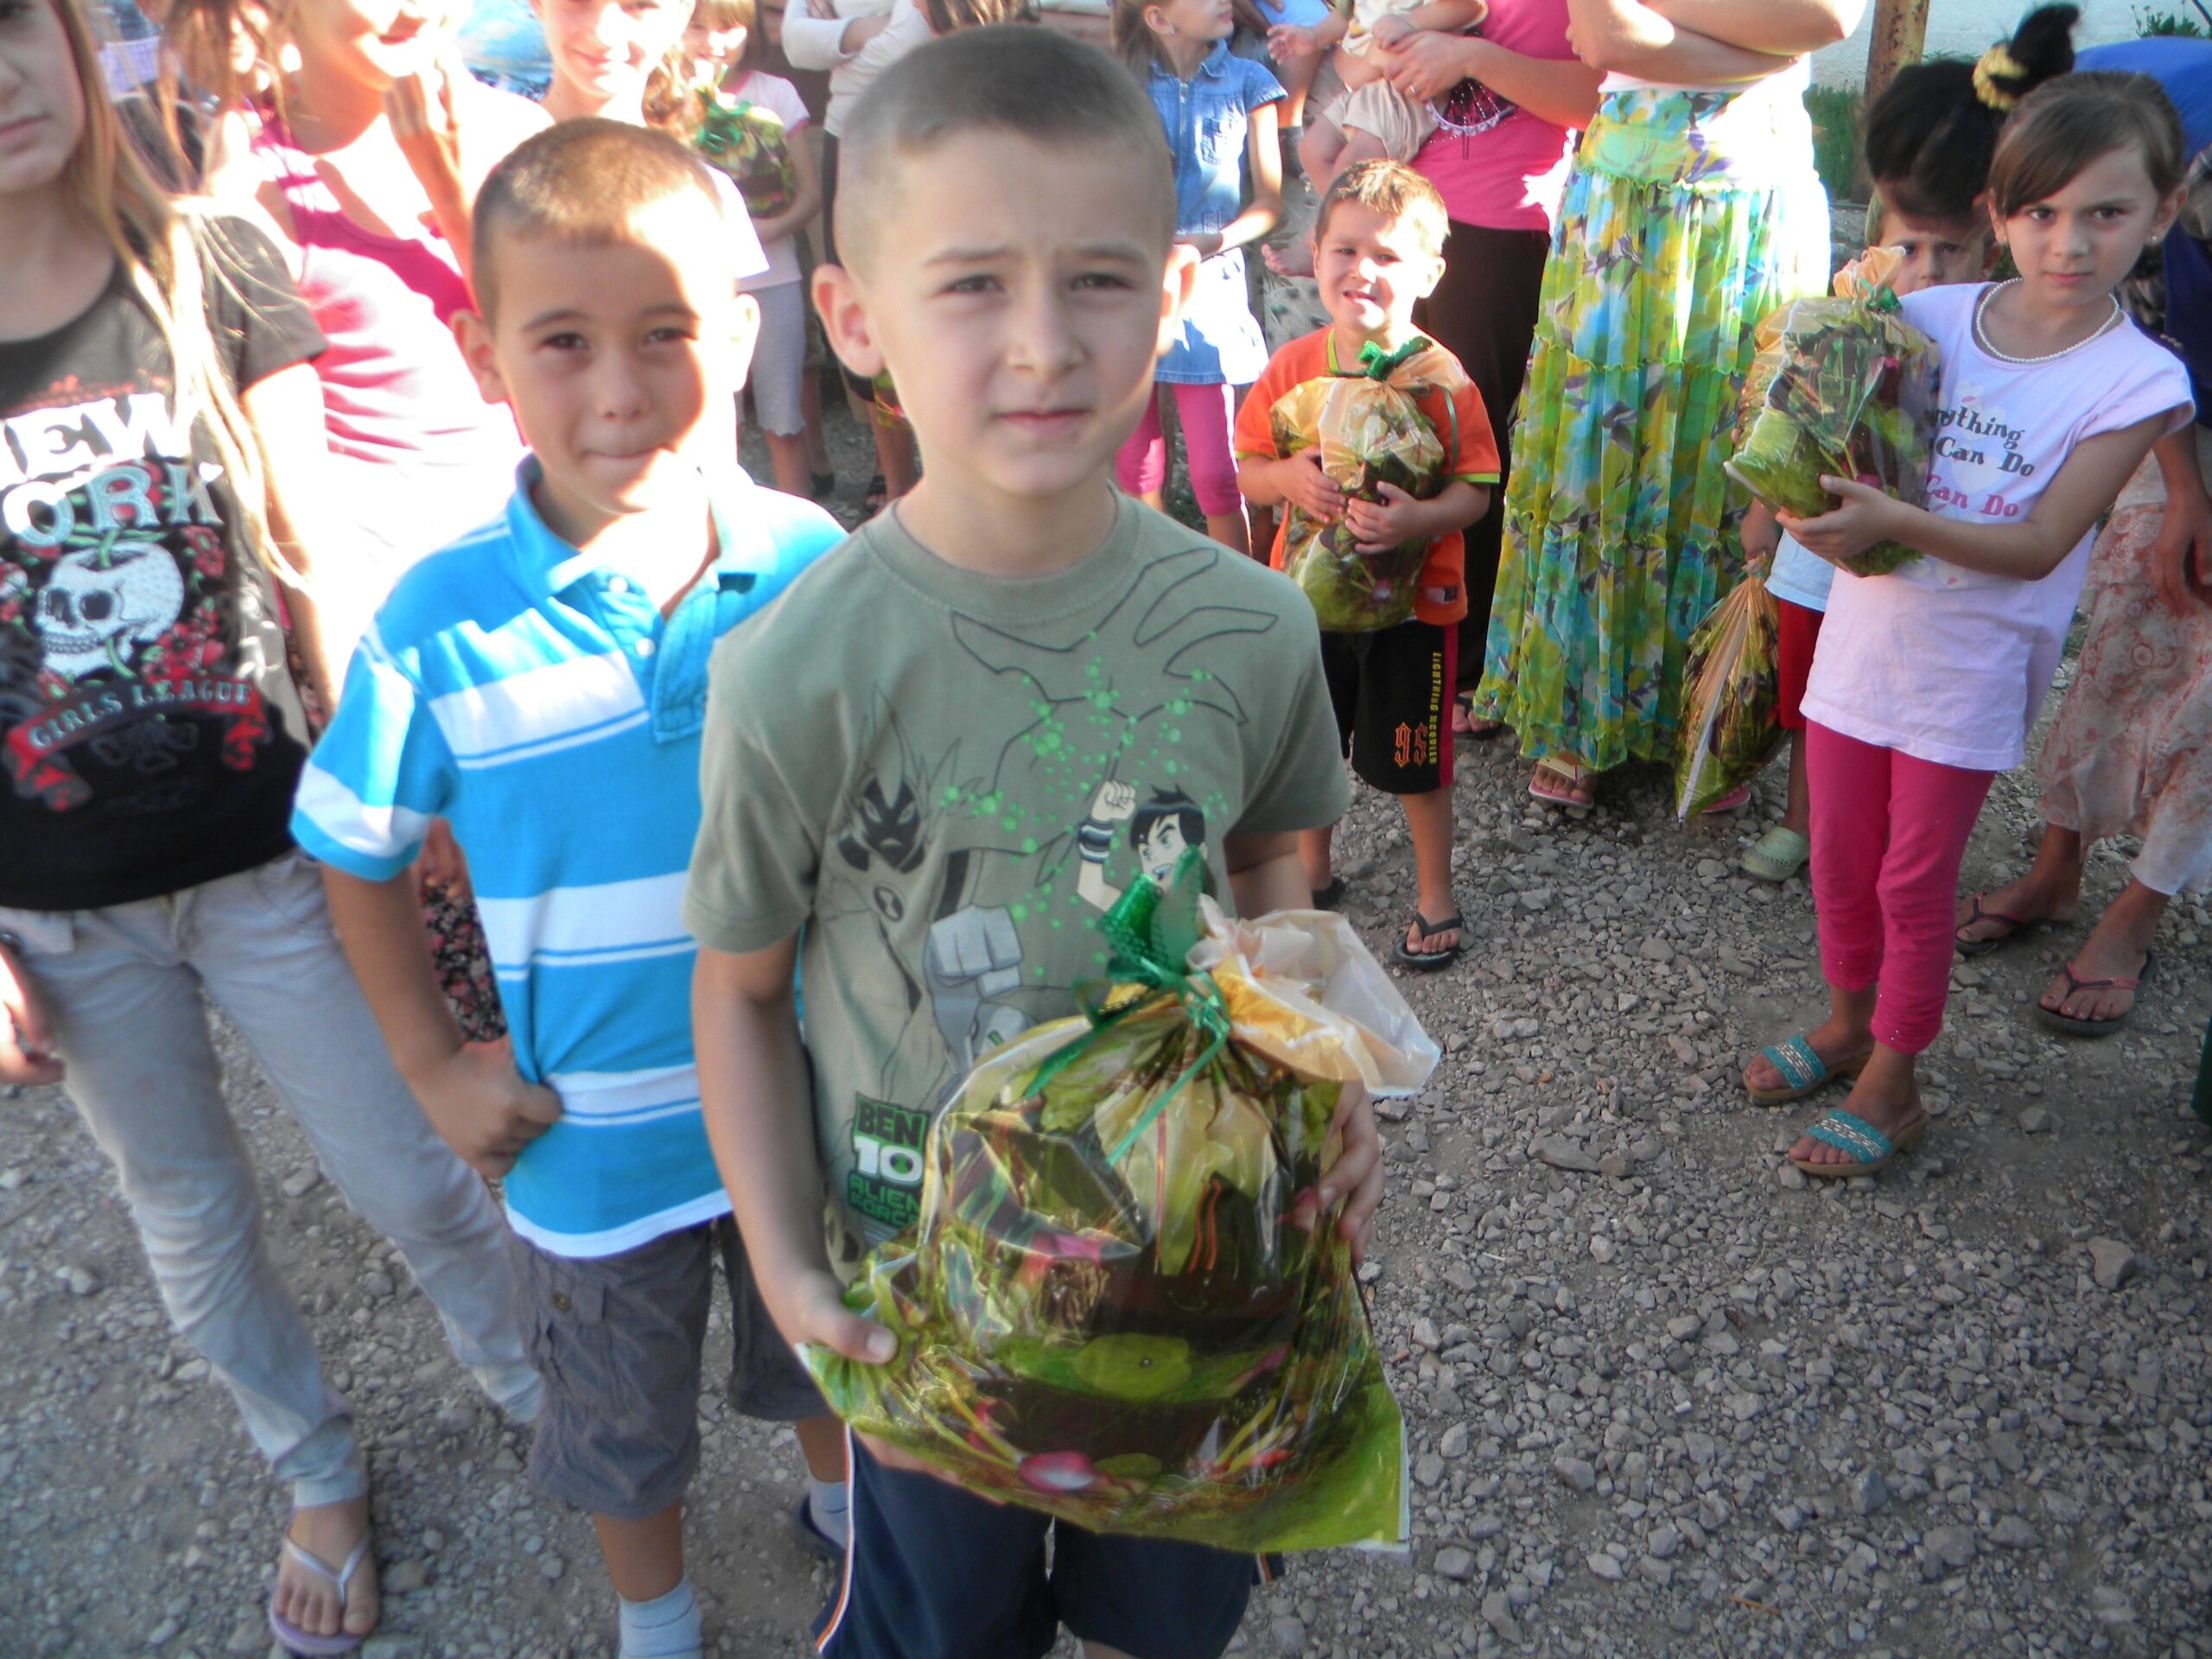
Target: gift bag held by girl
[[1731, 719], [1118, 1304], [1842, 387], [749, 144], [1370, 432]]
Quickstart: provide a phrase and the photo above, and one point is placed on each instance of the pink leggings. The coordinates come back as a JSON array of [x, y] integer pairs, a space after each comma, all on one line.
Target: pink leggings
[[1888, 833], [1202, 412]]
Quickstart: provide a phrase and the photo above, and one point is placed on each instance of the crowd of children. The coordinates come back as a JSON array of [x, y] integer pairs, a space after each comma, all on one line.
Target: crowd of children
[[372, 521]]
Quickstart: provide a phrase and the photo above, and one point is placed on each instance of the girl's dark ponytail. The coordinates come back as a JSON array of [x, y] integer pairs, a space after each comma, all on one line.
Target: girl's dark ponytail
[[1931, 133]]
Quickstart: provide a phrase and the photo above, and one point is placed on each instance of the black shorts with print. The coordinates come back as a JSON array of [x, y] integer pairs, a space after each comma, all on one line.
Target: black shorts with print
[[1392, 693]]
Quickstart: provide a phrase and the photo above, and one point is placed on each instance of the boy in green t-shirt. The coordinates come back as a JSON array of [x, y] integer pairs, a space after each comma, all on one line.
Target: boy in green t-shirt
[[1058, 689]]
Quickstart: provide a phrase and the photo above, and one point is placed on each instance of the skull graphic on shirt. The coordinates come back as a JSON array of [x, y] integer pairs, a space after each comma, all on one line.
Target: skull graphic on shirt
[[99, 601]]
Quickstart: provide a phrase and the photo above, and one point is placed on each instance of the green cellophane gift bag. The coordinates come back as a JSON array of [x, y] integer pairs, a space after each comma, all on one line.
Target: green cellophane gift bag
[[1115, 1306], [1370, 431], [750, 144], [1845, 388]]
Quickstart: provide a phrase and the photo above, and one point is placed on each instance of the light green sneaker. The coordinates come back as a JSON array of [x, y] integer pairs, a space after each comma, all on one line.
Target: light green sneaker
[[1777, 855]]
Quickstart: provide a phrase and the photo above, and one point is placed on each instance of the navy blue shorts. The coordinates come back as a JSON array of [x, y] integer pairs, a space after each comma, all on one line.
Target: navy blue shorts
[[933, 1573]]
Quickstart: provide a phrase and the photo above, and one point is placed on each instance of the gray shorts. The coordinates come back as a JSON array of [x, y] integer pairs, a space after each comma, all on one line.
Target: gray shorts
[[778, 371], [619, 1340]]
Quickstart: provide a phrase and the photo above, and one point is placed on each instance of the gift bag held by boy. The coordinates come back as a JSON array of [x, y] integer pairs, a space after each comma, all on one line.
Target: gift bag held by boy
[[1844, 387], [1731, 721], [1370, 431], [1115, 1307]]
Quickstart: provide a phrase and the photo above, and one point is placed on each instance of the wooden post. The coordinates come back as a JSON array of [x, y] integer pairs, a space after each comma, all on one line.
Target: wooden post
[[1899, 34]]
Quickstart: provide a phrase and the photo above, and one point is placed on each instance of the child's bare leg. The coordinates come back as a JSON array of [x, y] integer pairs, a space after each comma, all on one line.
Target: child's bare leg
[[809, 408], [1313, 852], [1317, 148], [1797, 814], [1358, 146], [1428, 826], [645, 1558], [822, 1442], [1230, 530], [895, 458], [787, 460]]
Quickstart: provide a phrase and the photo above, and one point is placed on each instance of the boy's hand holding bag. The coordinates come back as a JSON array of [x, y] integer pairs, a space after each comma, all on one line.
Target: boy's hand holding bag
[[1370, 431], [1120, 1304]]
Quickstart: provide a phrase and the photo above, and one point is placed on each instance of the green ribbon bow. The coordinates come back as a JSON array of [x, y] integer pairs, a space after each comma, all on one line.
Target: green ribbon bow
[[1150, 930], [1376, 364]]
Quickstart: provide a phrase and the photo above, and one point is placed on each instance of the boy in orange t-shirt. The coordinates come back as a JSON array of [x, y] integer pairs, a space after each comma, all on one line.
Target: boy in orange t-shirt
[[1378, 244]]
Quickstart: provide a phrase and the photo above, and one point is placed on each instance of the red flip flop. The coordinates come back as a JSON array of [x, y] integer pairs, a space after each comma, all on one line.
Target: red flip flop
[[2069, 1026]]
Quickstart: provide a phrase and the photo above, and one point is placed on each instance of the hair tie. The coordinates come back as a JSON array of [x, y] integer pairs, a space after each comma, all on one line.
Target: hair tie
[[1993, 65]]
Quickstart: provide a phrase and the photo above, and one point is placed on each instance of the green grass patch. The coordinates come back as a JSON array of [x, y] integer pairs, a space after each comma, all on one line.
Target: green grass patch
[[2190, 18], [1835, 111]]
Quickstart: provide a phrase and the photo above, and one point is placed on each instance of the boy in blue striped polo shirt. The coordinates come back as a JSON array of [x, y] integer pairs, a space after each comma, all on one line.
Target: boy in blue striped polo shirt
[[541, 684]]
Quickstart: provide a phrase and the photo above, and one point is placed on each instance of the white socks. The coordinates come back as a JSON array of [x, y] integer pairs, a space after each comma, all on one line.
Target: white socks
[[666, 1627], [826, 1502]]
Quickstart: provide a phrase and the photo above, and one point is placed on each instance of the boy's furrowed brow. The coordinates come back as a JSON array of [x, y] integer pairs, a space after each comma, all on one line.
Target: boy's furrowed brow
[[1134, 253], [577, 313]]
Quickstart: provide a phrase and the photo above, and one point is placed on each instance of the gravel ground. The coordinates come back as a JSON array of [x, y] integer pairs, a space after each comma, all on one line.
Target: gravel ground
[[1663, 1399]]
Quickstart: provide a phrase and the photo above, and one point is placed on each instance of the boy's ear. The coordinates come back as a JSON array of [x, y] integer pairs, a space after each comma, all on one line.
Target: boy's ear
[[845, 324], [1426, 283], [474, 335], [1175, 285]]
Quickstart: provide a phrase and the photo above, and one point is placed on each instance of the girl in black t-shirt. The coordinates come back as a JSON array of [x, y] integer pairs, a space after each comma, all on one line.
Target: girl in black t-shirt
[[161, 441]]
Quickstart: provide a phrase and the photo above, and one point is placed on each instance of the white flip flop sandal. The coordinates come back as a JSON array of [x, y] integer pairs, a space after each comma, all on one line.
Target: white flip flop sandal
[[303, 1643]]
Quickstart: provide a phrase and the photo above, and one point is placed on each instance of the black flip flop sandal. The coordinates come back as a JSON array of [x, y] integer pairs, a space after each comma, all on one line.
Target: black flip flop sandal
[[1330, 897], [1428, 961]]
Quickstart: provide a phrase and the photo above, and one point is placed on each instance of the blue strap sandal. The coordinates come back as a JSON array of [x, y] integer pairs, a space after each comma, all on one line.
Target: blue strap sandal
[[1803, 1071], [1846, 1132]]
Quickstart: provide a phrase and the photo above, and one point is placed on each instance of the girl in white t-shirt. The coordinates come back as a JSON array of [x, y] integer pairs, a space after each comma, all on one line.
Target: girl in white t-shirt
[[751, 131], [1927, 680]]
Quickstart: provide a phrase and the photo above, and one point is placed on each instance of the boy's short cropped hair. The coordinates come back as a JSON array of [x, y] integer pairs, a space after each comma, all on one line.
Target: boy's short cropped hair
[[1033, 85], [580, 181], [1393, 190]]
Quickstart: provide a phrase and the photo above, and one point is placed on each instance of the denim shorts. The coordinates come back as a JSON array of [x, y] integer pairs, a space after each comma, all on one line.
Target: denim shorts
[[619, 1340]]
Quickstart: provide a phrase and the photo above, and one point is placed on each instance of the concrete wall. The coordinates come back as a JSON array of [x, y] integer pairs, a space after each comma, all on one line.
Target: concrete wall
[[1966, 27]]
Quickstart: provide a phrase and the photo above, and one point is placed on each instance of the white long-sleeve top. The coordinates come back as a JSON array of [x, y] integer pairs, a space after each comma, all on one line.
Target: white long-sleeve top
[[811, 43]]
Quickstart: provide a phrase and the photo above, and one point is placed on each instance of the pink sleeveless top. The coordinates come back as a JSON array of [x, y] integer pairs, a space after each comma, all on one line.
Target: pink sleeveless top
[[421, 457]]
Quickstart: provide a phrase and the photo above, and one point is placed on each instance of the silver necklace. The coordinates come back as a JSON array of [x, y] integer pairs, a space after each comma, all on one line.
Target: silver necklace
[[1981, 335]]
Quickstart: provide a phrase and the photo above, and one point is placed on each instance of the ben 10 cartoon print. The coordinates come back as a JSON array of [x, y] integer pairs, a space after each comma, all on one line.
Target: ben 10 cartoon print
[[1159, 833]]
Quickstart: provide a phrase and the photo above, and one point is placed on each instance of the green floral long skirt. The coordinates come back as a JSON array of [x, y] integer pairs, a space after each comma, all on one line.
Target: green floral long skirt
[[1689, 217]]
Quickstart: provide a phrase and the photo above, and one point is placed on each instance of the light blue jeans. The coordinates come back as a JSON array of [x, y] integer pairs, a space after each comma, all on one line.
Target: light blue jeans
[[124, 988]]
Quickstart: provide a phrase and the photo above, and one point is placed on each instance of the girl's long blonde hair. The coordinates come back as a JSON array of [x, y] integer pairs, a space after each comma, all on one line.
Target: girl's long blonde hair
[[166, 251]]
